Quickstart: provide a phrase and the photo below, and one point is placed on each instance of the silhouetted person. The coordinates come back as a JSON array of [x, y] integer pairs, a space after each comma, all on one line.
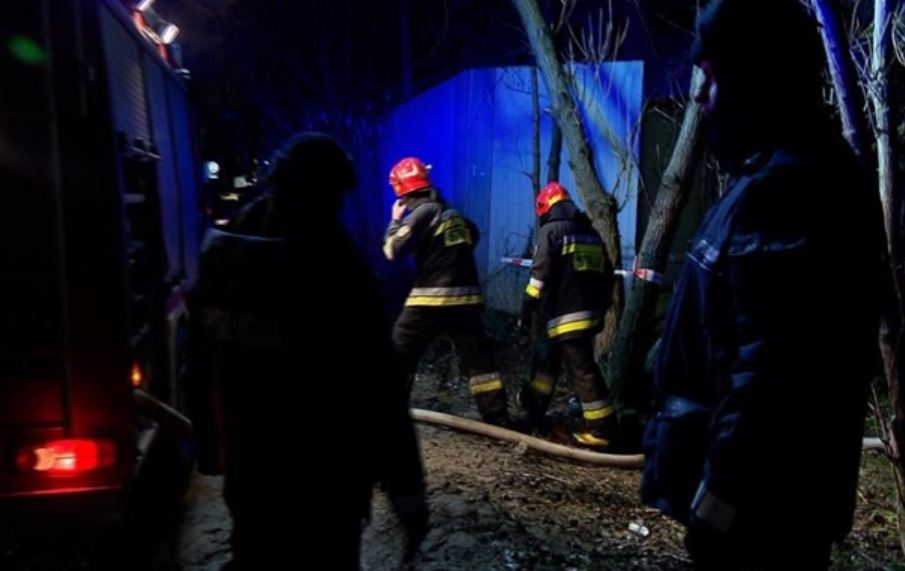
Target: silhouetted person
[[447, 296], [310, 398], [571, 280], [770, 339]]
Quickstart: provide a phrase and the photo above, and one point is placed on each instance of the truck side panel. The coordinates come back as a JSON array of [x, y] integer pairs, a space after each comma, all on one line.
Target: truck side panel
[[187, 167], [98, 221], [64, 371], [100, 391], [32, 367], [168, 181]]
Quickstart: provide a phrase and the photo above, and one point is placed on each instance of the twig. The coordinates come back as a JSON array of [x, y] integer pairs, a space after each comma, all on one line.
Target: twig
[[555, 479]]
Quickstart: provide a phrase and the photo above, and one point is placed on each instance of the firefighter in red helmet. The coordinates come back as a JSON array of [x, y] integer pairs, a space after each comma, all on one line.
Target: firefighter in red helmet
[[570, 279], [446, 296]]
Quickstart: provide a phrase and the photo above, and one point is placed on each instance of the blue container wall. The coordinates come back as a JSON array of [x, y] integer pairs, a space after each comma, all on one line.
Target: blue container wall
[[610, 96], [474, 155], [449, 128], [512, 208], [475, 130]]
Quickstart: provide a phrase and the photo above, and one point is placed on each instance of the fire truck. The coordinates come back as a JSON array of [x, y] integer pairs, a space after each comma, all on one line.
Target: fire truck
[[100, 234]]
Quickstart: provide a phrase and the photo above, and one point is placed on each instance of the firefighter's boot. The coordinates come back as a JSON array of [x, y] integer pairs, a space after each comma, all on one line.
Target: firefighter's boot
[[596, 429]]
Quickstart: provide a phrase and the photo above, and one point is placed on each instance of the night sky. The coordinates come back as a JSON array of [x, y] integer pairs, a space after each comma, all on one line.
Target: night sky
[[264, 69]]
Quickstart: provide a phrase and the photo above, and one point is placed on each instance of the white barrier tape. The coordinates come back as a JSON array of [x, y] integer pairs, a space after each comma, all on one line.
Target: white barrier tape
[[644, 274], [520, 262], [649, 275]]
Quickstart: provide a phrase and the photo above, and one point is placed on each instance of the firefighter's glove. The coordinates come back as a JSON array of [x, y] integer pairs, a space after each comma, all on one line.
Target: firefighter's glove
[[398, 210], [412, 513]]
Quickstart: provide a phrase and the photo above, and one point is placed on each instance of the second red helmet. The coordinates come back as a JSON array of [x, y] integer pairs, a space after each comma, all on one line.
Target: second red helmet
[[548, 196]]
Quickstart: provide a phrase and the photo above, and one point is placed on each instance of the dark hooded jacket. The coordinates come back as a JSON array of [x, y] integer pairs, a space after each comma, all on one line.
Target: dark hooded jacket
[[291, 351], [268, 329], [771, 333]]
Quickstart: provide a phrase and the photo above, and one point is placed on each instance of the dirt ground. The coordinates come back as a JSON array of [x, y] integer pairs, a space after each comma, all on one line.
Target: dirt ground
[[496, 507], [493, 507]]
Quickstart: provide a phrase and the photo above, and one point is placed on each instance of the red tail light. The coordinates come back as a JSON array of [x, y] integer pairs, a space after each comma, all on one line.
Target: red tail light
[[67, 457], [136, 375]]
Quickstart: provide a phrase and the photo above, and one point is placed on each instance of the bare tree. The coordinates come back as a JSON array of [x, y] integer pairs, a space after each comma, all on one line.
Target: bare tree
[[535, 133], [842, 73], [554, 158], [628, 350], [891, 338], [874, 80], [601, 205]]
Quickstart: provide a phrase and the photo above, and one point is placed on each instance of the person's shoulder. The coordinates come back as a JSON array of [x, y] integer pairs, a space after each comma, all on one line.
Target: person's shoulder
[[772, 203], [450, 213], [556, 228], [426, 208], [257, 218], [770, 166], [583, 221], [827, 159], [774, 177]]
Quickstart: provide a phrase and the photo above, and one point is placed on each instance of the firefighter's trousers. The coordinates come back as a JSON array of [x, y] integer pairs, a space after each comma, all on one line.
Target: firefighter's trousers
[[578, 356], [418, 326]]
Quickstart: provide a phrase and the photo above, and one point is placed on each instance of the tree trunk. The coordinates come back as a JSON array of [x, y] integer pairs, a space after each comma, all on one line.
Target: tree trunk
[[891, 346], [555, 157], [842, 73], [535, 133], [601, 206], [629, 349]]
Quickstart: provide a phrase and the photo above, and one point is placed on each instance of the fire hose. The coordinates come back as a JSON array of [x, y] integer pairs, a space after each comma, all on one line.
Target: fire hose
[[624, 461]]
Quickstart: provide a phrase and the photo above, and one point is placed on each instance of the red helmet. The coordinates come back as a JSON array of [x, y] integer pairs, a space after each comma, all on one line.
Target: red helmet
[[548, 196], [409, 175]]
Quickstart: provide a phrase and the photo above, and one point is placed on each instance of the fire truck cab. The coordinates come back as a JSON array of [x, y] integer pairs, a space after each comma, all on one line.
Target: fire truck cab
[[100, 228]]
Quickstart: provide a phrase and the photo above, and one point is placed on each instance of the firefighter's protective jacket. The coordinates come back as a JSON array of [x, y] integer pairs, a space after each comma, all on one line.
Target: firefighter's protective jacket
[[571, 274], [307, 434], [442, 242], [762, 378]]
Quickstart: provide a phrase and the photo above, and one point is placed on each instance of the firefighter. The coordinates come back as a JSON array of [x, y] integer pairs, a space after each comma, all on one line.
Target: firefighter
[[446, 296], [571, 278], [260, 327]]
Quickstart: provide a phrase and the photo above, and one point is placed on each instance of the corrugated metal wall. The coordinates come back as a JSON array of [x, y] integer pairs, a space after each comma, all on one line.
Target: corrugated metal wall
[[475, 129]]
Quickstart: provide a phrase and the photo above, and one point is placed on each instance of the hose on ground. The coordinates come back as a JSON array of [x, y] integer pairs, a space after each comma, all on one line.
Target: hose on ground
[[625, 461]]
